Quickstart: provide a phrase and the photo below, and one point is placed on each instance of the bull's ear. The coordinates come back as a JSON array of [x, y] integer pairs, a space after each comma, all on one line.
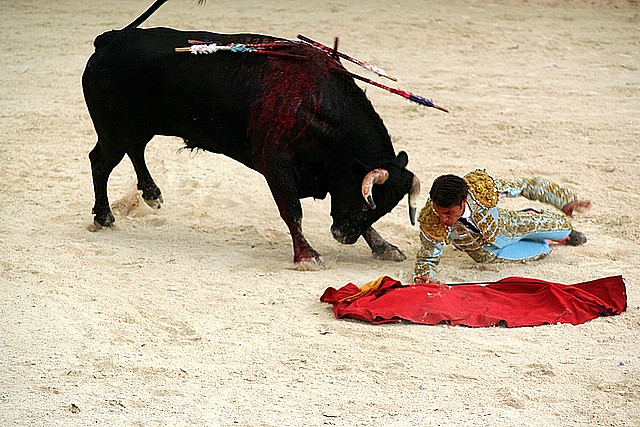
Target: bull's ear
[[359, 168], [402, 159]]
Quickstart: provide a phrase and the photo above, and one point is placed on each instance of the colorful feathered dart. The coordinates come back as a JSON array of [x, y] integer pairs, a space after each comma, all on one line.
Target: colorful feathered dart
[[206, 47], [333, 52]]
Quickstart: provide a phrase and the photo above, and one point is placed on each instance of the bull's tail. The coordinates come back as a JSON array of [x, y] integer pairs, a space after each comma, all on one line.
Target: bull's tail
[[104, 38], [147, 13]]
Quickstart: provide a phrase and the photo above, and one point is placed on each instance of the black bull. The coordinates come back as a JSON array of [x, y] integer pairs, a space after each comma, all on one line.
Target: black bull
[[299, 121]]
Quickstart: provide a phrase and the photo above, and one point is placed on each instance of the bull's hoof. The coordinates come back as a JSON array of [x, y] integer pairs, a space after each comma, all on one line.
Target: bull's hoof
[[389, 253], [102, 220], [310, 264], [97, 225], [105, 220], [94, 226], [154, 203], [151, 194]]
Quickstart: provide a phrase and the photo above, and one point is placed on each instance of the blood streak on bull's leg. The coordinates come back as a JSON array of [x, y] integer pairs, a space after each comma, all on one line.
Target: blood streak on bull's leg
[[287, 86]]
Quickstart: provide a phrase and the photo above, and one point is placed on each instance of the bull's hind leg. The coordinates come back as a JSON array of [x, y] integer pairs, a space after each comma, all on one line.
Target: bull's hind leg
[[150, 191], [103, 159]]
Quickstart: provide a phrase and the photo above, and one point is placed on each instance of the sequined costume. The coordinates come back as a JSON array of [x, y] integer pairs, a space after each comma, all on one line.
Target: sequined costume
[[500, 234]]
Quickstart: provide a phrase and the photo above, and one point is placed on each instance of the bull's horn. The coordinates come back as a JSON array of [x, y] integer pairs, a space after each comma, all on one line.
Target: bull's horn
[[376, 176], [413, 199]]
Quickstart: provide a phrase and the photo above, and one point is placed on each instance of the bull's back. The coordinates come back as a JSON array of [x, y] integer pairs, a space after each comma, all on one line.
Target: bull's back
[[238, 104]]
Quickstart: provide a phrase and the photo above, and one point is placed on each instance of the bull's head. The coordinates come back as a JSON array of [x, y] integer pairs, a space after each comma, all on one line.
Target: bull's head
[[361, 202]]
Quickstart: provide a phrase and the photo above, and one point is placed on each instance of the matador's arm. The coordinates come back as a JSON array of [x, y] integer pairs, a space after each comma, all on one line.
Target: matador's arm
[[536, 189], [428, 257]]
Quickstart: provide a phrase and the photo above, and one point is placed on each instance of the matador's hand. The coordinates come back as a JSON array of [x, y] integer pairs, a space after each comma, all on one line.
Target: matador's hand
[[578, 206]]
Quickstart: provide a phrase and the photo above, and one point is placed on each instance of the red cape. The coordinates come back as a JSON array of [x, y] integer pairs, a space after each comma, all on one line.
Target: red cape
[[513, 301]]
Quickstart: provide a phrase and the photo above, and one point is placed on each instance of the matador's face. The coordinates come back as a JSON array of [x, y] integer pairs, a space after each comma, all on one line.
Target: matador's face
[[449, 215]]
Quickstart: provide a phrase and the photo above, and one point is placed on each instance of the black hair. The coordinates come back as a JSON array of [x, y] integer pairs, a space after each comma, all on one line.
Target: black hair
[[448, 190]]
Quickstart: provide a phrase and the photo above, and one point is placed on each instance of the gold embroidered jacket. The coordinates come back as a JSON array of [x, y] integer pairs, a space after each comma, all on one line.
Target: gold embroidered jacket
[[484, 193]]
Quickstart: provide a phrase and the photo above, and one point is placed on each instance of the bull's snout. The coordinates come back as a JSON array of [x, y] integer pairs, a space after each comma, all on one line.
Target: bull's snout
[[342, 237]]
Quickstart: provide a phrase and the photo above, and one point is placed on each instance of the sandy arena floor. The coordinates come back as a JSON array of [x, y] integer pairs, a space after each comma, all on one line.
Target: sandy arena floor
[[194, 314]]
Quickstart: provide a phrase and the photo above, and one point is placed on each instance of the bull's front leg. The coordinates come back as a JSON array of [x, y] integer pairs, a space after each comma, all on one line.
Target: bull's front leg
[[286, 197], [380, 248], [303, 254]]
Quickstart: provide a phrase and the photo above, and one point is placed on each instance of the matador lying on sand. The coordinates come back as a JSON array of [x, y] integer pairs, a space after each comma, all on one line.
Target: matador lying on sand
[[465, 212]]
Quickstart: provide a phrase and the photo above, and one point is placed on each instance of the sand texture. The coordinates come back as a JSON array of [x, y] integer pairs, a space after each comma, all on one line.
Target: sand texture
[[194, 315]]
